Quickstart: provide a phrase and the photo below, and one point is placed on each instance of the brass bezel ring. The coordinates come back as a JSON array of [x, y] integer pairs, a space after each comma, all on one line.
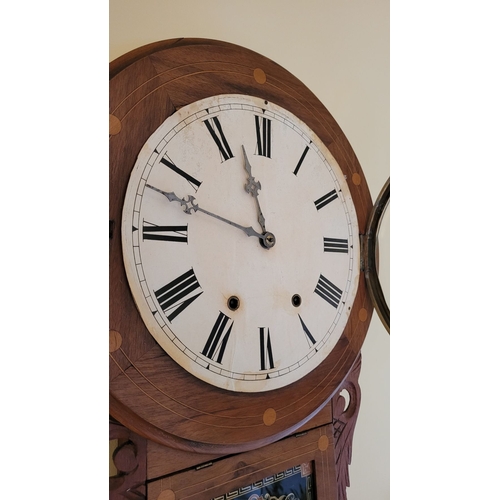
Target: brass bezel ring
[[370, 258]]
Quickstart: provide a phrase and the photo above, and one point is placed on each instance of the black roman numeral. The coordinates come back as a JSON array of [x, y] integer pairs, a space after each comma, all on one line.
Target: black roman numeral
[[216, 346], [335, 245], [310, 339], [328, 291], [324, 200], [263, 131], [266, 351], [175, 296], [219, 137], [164, 233], [301, 160], [170, 164]]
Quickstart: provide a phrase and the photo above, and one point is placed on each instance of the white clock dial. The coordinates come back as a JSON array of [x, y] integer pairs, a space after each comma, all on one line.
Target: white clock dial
[[240, 243]]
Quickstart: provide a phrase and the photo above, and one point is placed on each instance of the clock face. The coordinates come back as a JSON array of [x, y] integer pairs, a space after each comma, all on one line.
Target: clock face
[[240, 243]]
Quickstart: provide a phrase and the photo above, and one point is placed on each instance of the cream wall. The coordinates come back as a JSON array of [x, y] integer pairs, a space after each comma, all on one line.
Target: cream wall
[[340, 50]]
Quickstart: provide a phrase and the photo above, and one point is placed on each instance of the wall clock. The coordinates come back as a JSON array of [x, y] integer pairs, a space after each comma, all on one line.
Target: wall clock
[[237, 301]]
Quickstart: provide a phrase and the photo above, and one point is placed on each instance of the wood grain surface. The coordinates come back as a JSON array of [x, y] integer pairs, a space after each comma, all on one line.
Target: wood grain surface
[[314, 449]]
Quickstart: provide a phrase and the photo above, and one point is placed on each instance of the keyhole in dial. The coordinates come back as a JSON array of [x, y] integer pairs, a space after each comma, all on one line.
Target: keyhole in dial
[[233, 303], [296, 300]]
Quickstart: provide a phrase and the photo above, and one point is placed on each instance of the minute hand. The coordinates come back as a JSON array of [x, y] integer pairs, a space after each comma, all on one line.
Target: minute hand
[[189, 205], [250, 231]]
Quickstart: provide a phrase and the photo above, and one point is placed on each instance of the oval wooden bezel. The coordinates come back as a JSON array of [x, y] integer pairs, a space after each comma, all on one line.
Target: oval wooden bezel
[[150, 393]]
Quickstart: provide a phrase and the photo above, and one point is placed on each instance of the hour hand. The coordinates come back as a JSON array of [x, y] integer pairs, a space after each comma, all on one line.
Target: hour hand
[[252, 187]]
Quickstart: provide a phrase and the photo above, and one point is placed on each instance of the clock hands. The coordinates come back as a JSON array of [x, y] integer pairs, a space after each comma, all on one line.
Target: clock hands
[[252, 187], [189, 205]]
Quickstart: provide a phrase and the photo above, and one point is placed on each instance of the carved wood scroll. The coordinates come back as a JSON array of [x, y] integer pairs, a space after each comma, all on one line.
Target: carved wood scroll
[[345, 414], [129, 459]]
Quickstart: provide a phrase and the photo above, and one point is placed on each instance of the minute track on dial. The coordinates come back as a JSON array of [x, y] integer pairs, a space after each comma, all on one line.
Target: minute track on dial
[[189, 205]]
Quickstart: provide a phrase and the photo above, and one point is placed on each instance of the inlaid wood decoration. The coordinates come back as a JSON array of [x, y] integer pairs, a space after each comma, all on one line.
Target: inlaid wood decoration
[[323, 447], [238, 304]]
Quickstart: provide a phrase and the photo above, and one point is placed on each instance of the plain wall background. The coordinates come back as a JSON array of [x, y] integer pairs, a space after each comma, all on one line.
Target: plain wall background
[[340, 50]]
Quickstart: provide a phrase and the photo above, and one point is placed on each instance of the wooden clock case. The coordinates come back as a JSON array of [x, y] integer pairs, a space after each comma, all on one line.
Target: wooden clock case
[[150, 394], [145, 469]]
